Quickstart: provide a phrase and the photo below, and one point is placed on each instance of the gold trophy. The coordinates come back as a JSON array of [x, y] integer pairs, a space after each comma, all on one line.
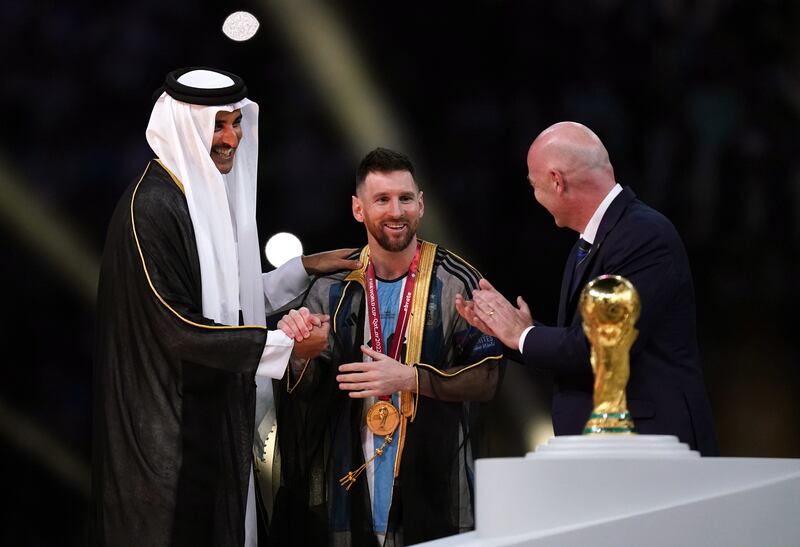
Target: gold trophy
[[610, 308]]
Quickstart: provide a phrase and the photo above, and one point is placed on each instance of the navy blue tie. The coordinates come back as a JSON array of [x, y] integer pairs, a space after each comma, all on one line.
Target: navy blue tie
[[581, 251], [580, 255]]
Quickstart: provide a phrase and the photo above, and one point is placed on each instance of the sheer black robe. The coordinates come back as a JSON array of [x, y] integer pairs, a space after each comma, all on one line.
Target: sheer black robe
[[319, 425], [174, 393]]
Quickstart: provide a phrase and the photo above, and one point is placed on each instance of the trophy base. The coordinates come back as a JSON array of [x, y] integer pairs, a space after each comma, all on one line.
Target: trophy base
[[609, 422], [614, 446]]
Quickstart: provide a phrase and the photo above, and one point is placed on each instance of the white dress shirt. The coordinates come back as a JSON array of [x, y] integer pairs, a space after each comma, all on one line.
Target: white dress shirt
[[589, 234]]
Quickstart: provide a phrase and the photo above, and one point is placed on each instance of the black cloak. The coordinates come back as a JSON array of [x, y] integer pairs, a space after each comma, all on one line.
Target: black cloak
[[319, 425], [174, 393]]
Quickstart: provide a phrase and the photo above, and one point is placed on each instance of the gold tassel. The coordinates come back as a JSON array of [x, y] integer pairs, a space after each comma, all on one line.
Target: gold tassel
[[352, 476]]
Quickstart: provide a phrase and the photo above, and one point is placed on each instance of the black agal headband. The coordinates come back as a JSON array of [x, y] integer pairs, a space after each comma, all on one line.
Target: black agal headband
[[200, 95]]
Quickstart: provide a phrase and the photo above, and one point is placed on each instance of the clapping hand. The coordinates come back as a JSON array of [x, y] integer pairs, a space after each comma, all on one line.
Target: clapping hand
[[492, 314]]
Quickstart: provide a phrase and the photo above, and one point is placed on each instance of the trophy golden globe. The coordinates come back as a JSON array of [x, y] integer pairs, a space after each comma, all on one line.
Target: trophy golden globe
[[610, 307]]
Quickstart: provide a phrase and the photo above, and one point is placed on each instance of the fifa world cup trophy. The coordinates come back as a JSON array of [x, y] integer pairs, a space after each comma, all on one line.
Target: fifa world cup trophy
[[610, 307]]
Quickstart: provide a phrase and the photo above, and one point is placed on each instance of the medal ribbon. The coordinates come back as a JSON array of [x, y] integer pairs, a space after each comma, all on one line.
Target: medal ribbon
[[376, 335], [376, 332]]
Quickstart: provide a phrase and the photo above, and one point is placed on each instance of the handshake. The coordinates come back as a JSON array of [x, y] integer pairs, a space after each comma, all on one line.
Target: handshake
[[308, 330], [381, 375]]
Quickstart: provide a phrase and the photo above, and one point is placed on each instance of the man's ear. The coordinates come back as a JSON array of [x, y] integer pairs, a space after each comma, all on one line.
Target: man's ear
[[421, 205], [557, 180], [358, 209]]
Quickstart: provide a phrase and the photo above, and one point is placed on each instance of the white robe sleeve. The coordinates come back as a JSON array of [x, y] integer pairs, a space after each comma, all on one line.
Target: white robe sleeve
[[276, 355], [284, 284], [281, 286]]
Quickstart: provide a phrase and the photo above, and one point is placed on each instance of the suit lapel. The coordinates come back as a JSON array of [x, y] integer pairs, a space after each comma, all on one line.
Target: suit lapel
[[610, 219]]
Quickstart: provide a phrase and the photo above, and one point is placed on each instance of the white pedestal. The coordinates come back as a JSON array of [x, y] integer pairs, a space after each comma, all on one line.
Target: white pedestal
[[632, 490]]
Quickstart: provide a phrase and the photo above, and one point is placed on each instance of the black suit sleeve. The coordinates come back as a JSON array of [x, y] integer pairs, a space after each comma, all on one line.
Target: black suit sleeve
[[647, 257]]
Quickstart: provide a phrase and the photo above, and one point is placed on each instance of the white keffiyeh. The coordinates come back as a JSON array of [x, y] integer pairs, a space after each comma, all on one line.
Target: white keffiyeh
[[223, 212], [222, 207]]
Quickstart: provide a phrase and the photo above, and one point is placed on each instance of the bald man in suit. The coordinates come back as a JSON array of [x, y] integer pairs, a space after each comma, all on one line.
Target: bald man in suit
[[572, 177]]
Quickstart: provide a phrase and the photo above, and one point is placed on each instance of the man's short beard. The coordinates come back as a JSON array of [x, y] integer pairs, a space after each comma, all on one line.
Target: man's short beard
[[393, 245]]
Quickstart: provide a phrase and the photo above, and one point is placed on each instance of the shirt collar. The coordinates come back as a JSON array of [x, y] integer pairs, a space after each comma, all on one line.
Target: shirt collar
[[590, 232]]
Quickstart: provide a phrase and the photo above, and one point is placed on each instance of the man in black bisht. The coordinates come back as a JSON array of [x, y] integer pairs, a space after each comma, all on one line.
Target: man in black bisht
[[181, 334], [375, 433]]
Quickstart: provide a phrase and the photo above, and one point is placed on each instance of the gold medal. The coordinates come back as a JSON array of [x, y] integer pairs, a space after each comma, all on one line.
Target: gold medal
[[382, 418]]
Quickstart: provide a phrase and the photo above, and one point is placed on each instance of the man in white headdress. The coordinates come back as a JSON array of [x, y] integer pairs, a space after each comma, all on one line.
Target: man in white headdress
[[181, 334]]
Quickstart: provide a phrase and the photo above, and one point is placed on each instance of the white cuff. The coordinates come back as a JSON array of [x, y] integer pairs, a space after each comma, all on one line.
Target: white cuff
[[276, 355], [284, 284], [522, 337]]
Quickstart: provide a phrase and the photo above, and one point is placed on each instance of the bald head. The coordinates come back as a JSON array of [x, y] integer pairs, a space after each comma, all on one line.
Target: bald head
[[570, 172], [570, 147]]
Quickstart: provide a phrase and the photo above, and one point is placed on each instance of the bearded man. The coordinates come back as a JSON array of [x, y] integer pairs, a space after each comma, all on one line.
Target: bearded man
[[374, 433], [181, 333]]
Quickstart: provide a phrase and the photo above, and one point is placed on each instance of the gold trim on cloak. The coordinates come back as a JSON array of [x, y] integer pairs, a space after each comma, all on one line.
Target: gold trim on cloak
[[150, 282], [178, 183], [416, 328], [360, 274]]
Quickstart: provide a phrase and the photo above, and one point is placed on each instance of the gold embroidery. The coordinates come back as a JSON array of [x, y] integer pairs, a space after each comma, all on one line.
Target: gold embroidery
[[172, 175]]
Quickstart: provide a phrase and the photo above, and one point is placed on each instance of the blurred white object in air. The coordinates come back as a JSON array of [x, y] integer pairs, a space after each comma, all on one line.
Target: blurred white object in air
[[281, 247], [240, 26]]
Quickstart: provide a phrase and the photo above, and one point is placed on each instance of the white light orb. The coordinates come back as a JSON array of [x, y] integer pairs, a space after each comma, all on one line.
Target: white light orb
[[240, 26], [281, 247]]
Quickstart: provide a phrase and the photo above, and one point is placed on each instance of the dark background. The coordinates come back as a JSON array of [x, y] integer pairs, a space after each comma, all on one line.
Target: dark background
[[698, 104]]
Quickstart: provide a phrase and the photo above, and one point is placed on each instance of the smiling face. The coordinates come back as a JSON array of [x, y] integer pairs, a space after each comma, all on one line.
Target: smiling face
[[390, 206], [227, 136]]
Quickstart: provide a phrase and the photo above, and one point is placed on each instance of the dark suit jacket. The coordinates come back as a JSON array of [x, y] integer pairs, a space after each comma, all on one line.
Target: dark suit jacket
[[666, 393]]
